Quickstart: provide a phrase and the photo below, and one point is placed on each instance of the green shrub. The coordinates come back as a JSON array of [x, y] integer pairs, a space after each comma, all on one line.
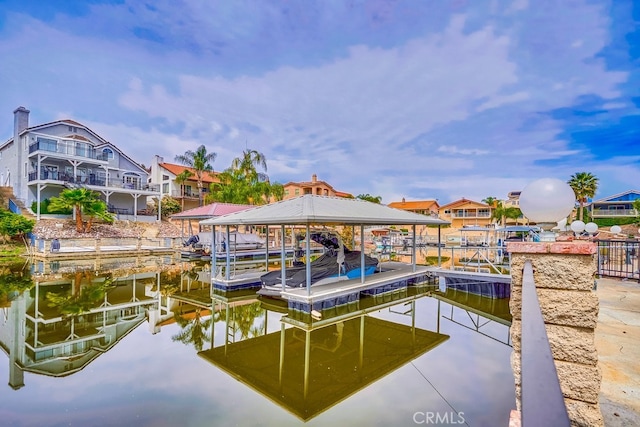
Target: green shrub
[[44, 208]]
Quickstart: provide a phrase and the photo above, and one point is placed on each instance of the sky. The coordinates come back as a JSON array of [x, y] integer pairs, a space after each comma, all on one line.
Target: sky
[[409, 99]]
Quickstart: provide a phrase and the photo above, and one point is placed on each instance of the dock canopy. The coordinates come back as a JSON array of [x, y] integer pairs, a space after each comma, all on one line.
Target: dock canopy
[[311, 209]]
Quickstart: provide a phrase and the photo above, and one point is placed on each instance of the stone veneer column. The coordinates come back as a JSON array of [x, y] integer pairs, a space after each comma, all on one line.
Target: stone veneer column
[[564, 274]]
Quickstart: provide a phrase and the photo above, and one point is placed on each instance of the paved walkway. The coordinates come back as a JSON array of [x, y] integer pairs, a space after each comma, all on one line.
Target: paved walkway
[[618, 344]]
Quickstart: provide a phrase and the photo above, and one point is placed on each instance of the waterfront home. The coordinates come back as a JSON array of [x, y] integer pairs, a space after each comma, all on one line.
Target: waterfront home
[[315, 187], [164, 175], [40, 161], [617, 206], [464, 213]]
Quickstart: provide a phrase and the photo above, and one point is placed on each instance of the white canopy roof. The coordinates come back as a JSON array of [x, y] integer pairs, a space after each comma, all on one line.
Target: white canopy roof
[[311, 209]]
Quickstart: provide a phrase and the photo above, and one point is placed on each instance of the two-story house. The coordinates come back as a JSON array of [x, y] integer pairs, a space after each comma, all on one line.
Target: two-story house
[[315, 186], [465, 213], [40, 161], [164, 175], [424, 207]]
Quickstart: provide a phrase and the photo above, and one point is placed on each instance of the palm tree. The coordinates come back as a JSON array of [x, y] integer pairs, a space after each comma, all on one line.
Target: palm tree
[[79, 199], [490, 200], [181, 178], [200, 161], [248, 163], [584, 185]]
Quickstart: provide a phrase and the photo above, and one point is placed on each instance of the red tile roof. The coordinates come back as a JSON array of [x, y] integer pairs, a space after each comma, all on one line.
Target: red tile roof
[[414, 205], [178, 169]]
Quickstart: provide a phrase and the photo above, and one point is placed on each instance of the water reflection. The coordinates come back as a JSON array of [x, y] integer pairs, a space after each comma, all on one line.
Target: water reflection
[[155, 326], [311, 366]]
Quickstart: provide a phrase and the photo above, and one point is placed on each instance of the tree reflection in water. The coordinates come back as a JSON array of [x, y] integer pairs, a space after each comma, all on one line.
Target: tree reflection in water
[[83, 297], [194, 331], [14, 279]]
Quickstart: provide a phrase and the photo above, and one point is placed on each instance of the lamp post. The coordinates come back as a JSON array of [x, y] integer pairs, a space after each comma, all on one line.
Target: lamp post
[[545, 202]]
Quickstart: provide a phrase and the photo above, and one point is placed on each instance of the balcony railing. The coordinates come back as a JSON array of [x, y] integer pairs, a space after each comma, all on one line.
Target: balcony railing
[[83, 181], [614, 212], [471, 215], [67, 149]]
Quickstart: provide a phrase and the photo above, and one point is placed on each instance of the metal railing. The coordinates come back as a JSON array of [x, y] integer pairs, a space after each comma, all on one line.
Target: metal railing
[[67, 148], [81, 181], [619, 258], [542, 400], [614, 212]]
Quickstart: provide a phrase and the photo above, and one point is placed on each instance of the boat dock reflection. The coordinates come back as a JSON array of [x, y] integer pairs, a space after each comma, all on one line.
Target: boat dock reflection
[[311, 365]]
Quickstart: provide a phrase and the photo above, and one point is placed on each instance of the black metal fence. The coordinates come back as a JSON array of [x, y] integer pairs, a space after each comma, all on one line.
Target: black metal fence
[[619, 258]]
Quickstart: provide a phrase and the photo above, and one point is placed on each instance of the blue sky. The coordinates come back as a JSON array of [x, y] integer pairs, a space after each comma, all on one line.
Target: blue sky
[[415, 99]]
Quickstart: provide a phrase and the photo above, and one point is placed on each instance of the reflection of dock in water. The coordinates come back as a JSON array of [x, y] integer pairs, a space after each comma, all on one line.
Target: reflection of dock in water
[[481, 310], [309, 371]]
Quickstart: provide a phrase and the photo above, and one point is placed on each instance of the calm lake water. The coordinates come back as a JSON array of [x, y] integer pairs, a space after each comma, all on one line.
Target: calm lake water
[[142, 342]]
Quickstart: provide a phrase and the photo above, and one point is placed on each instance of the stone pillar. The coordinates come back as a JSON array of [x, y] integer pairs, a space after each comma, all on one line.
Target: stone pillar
[[564, 275]]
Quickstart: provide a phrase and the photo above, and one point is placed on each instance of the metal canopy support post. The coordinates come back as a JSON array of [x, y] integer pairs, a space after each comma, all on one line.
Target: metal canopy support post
[[214, 258], [440, 248], [413, 249], [228, 244], [308, 259], [361, 253], [283, 257], [266, 252]]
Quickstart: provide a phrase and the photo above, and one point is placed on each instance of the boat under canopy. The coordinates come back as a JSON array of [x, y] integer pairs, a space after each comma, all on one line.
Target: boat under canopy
[[313, 211]]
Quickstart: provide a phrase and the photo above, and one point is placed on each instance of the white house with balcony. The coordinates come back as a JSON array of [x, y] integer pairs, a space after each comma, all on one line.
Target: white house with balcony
[[40, 161]]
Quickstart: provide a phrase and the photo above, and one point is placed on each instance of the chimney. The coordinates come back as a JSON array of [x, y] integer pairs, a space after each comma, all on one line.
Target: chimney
[[20, 120], [403, 200], [314, 178]]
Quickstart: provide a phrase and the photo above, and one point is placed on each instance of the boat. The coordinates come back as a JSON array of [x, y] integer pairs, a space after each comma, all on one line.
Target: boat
[[336, 264], [242, 245]]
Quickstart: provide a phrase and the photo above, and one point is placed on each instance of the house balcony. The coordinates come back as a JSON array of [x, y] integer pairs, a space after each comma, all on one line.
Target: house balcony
[[68, 180], [178, 195], [66, 149], [471, 214], [613, 213]]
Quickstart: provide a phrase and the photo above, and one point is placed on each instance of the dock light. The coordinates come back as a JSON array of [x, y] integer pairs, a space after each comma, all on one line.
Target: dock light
[[616, 229], [591, 228], [577, 227], [546, 201]]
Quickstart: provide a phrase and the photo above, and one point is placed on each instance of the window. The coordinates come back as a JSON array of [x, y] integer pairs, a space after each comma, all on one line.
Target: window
[[107, 153], [297, 191], [165, 177], [47, 144], [165, 188]]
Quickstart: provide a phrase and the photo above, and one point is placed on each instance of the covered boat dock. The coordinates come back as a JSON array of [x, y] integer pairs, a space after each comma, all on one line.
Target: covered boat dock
[[319, 211]]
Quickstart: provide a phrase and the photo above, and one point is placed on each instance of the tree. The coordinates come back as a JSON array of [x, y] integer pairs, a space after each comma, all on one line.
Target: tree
[[97, 209], [491, 201], [170, 206], [369, 198], [584, 185], [181, 178], [81, 200], [15, 225], [200, 161], [248, 163], [243, 184]]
